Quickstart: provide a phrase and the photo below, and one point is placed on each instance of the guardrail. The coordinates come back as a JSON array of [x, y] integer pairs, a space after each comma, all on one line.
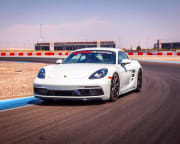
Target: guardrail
[[37, 54], [30, 54], [154, 53]]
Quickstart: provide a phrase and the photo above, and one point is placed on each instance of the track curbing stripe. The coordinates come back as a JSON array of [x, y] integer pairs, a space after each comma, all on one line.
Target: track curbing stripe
[[18, 102]]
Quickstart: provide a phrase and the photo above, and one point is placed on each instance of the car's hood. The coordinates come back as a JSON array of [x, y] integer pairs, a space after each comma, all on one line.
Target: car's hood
[[61, 71]]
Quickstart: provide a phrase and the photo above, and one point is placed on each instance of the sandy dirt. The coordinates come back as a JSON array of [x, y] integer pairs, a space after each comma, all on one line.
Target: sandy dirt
[[160, 58], [16, 79]]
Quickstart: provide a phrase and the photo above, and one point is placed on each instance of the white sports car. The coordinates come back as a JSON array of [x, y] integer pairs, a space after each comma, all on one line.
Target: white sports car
[[89, 74]]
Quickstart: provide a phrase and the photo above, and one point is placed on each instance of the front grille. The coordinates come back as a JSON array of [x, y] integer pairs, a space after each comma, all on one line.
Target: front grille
[[79, 92], [40, 91], [59, 93]]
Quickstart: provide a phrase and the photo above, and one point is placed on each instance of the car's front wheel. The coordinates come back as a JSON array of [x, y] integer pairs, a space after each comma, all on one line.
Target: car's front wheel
[[115, 85]]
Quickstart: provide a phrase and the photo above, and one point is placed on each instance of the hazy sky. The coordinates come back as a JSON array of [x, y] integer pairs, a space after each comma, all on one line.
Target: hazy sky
[[128, 22]]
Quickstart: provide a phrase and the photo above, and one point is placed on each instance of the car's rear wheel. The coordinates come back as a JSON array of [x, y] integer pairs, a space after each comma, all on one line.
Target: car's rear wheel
[[115, 84], [139, 81]]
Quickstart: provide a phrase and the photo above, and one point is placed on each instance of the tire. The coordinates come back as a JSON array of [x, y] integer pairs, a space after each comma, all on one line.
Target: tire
[[139, 81], [115, 85]]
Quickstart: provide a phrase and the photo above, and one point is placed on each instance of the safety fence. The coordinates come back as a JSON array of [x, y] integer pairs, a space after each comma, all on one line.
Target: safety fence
[[154, 53], [30, 54], [37, 54]]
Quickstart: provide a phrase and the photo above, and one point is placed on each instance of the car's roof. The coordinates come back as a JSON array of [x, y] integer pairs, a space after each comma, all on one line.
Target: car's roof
[[100, 48]]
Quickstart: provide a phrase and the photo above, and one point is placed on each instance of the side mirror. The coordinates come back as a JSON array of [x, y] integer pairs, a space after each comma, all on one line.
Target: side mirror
[[126, 61], [59, 61]]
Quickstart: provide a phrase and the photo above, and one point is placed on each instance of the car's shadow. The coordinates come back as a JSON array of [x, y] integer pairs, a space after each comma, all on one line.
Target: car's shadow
[[40, 102], [65, 102]]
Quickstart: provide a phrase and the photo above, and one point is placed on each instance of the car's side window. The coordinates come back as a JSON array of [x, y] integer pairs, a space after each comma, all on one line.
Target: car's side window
[[121, 56], [75, 58], [82, 58]]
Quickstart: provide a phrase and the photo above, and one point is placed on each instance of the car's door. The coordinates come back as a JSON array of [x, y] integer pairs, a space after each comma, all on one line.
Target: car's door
[[124, 71]]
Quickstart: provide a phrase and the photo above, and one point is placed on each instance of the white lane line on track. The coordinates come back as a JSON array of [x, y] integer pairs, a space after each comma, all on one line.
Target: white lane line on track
[[16, 98], [16, 108]]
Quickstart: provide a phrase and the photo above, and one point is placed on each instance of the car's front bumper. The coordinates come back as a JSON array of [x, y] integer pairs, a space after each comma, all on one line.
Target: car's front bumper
[[92, 90]]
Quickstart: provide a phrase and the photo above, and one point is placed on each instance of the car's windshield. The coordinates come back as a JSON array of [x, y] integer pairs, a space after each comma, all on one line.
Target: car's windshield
[[91, 56]]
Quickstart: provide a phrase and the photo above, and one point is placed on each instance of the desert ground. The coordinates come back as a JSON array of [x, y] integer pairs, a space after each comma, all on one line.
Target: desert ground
[[16, 79], [159, 58]]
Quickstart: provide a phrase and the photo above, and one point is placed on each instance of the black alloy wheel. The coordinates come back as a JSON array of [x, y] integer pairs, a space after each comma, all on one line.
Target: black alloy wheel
[[115, 85], [139, 81]]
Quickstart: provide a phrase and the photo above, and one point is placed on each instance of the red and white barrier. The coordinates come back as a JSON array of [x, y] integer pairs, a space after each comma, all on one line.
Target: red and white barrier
[[154, 53], [64, 54], [32, 54]]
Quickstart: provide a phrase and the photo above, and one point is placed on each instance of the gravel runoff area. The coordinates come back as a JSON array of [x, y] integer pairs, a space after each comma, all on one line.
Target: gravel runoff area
[[159, 58], [16, 79]]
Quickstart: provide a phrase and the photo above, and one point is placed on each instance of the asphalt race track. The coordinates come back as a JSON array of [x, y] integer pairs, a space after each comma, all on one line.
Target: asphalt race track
[[149, 117]]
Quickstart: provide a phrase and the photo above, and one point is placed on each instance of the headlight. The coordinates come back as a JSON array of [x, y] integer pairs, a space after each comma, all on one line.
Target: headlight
[[41, 73], [99, 74]]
